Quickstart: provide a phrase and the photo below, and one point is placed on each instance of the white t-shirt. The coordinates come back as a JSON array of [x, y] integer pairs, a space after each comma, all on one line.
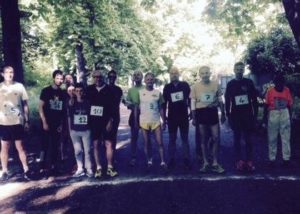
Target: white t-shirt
[[150, 102], [11, 105]]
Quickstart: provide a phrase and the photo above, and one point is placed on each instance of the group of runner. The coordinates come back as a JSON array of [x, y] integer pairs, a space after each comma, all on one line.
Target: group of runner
[[90, 117]]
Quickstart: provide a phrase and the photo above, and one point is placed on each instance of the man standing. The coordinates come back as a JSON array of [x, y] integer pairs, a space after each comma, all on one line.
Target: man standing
[[52, 110], [131, 102], [14, 118], [118, 93], [205, 100], [176, 96], [150, 105], [241, 111], [101, 120]]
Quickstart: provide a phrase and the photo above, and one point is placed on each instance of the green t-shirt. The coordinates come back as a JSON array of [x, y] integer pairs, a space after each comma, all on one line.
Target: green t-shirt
[[133, 95]]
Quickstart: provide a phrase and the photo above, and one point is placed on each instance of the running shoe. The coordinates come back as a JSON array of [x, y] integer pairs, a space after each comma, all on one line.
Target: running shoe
[[240, 165], [27, 175], [89, 173], [4, 176], [217, 168], [250, 166], [111, 172], [98, 173], [163, 165], [78, 173], [132, 162], [204, 168], [150, 163]]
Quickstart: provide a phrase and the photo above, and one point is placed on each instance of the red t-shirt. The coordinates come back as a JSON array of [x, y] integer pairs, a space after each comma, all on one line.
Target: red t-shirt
[[278, 100]]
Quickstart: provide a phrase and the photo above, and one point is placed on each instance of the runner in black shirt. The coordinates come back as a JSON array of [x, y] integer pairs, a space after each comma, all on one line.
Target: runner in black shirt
[[101, 120], [52, 111], [241, 111], [176, 96]]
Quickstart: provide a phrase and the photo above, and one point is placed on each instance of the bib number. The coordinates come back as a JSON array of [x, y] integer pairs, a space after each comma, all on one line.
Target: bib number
[[178, 96], [207, 97], [56, 105], [152, 106], [241, 100], [96, 111], [80, 119], [280, 103]]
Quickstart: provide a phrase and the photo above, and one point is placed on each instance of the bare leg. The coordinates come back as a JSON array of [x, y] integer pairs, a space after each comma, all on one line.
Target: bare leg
[[203, 133], [159, 141], [215, 132], [96, 154], [147, 146], [109, 152], [22, 154], [5, 145]]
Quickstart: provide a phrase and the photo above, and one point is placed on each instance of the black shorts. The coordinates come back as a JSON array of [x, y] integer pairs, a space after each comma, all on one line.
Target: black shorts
[[99, 133], [181, 123], [12, 133], [207, 116], [242, 122]]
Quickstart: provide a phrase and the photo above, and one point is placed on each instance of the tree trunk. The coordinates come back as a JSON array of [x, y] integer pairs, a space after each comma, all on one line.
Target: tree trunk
[[292, 11], [11, 33], [81, 70]]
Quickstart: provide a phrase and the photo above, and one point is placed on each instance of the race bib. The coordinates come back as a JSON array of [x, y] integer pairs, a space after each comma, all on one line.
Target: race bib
[[241, 100], [96, 111], [207, 97], [80, 119], [152, 106], [280, 103], [178, 96], [56, 105]]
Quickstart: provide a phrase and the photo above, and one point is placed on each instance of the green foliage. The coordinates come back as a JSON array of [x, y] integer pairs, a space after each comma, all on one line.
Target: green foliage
[[240, 21], [111, 33], [274, 52]]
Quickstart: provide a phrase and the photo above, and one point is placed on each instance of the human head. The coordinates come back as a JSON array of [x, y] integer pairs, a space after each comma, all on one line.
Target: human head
[[239, 69], [279, 82], [8, 73], [112, 76], [174, 74], [58, 77], [149, 80], [69, 79], [137, 77], [79, 90], [98, 77], [70, 90], [205, 73]]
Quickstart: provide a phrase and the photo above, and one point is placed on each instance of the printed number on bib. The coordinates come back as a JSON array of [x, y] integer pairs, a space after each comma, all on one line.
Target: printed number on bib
[[241, 100], [56, 105], [152, 106], [280, 103], [178, 96], [97, 111], [207, 97], [80, 119]]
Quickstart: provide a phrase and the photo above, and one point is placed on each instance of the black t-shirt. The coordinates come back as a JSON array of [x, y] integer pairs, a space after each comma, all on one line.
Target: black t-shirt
[[55, 105], [240, 97], [118, 93], [177, 99], [79, 114], [101, 104]]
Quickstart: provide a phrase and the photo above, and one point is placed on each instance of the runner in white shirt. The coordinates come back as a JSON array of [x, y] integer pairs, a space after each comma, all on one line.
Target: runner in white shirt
[[150, 105], [14, 118]]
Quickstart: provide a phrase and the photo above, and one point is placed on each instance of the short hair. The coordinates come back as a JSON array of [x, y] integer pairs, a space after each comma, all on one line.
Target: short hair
[[7, 68], [97, 72], [279, 78], [240, 63], [112, 72], [138, 72], [204, 67], [149, 74], [57, 72]]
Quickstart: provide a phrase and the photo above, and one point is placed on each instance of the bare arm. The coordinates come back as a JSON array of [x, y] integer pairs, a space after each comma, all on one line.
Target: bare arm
[[42, 115]]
